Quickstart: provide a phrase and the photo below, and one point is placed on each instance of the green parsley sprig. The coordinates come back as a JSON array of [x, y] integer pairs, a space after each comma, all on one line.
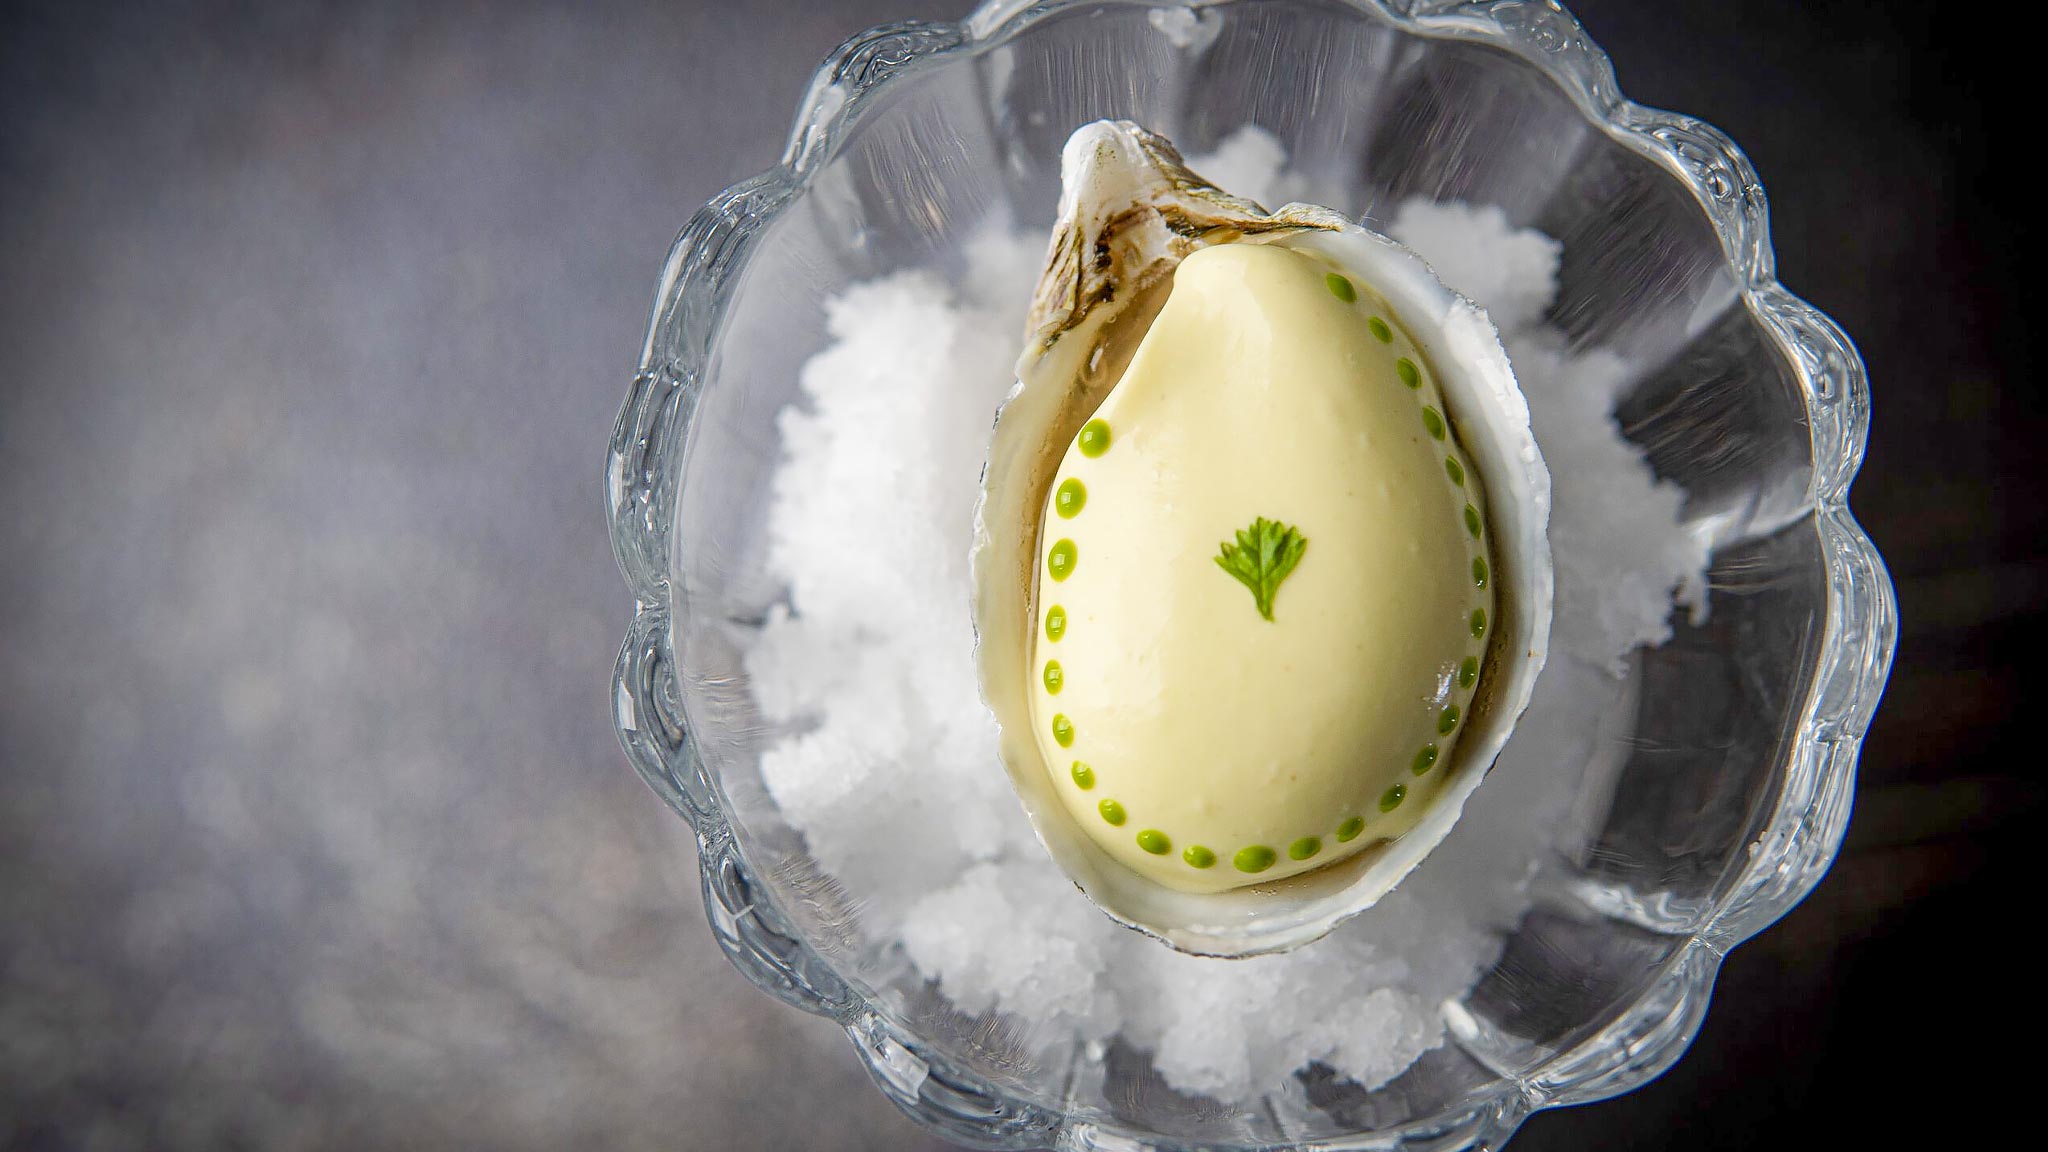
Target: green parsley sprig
[[1264, 555]]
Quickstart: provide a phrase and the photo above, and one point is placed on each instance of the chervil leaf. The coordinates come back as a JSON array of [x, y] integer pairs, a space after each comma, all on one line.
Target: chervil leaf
[[1264, 555]]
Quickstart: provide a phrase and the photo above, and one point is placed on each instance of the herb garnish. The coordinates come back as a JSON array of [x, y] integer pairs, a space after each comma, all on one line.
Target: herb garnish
[[1264, 555]]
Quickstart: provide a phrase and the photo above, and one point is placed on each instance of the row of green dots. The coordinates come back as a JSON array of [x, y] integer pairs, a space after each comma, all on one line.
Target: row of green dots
[[1341, 288], [1433, 423], [1432, 420], [1468, 672], [1253, 858], [1068, 501], [1349, 829], [1257, 858], [1389, 800], [1403, 367]]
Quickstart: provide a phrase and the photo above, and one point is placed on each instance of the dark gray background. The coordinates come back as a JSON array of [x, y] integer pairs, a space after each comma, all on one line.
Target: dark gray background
[[313, 322]]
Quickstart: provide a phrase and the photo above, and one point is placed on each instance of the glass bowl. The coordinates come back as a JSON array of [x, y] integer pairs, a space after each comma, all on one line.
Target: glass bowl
[[1731, 791]]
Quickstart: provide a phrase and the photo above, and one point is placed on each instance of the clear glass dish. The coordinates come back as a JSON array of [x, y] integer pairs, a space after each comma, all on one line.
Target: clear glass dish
[[1733, 790]]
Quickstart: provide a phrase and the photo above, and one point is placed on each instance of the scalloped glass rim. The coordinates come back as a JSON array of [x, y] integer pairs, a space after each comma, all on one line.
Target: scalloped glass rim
[[1796, 845]]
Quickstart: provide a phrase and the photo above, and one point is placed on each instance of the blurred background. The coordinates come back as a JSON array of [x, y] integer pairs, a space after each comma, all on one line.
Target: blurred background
[[314, 319]]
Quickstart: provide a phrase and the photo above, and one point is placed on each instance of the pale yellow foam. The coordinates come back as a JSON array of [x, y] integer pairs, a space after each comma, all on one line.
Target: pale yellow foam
[[1258, 392]]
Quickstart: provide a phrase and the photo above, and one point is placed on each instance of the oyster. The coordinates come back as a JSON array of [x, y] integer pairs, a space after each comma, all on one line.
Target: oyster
[[1261, 575]]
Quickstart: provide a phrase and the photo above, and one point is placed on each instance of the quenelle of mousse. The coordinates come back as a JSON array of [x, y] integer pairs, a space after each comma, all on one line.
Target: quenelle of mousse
[[1265, 589]]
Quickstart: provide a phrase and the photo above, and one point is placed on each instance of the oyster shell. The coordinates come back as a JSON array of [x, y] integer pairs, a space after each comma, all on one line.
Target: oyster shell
[[1130, 214]]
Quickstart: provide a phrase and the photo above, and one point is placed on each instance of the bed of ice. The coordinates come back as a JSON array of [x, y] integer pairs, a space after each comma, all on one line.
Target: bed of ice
[[890, 769]]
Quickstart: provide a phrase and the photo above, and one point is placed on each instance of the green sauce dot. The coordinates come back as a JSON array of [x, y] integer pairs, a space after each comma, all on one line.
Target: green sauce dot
[[1094, 438], [1468, 671], [1392, 797], [1304, 848], [1433, 423], [1256, 858], [1055, 622], [1479, 571], [1111, 811], [1454, 470], [1472, 521], [1060, 561], [1447, 719], [1063, 730], [1154, 841], [1424, 760], [1055, 679], [1380, 331], [1478, 623], [1341, 288], [1405, 369], [1084, 776], [1198, 856], [1068, 500], [1349, 830]]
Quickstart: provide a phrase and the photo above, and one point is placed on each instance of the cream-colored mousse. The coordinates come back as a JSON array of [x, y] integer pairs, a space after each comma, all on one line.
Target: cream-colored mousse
[[1277, 445]]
